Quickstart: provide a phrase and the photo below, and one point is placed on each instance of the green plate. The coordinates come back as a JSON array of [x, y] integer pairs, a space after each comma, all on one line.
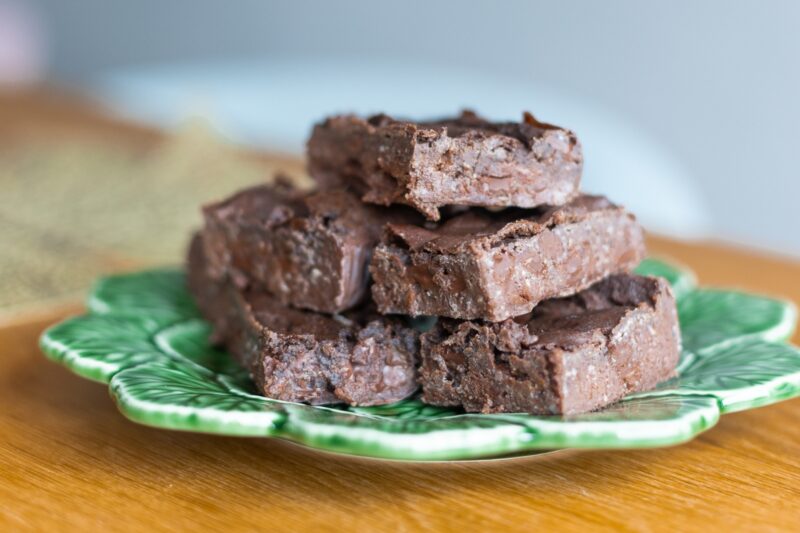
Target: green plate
[[145, 338]]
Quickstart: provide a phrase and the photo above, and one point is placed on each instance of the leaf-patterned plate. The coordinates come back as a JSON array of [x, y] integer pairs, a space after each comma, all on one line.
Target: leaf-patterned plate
[[144, 337]]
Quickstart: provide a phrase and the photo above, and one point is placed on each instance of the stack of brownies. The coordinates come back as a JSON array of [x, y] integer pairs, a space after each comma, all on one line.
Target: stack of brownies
[[479, 224]]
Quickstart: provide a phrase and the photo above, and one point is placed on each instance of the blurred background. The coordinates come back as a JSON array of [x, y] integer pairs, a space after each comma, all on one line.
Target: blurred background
[[688, 110]]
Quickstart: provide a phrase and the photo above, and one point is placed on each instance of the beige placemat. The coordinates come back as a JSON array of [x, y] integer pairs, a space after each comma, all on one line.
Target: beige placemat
[[73, 210]]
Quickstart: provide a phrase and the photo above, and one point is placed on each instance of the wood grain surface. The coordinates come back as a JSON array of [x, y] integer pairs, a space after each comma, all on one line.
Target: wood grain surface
[[70, 461]]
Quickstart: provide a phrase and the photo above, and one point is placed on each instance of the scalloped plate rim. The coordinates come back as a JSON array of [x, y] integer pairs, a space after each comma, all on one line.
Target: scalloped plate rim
[[59, 352]]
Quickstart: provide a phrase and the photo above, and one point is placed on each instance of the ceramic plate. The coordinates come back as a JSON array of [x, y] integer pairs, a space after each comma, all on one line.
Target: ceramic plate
[[143, 336]]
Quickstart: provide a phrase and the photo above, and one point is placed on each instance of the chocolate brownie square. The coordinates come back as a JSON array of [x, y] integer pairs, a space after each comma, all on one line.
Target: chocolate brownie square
[[492, 266], [358, 358], [568, 356], [310, 250], [465, 160]]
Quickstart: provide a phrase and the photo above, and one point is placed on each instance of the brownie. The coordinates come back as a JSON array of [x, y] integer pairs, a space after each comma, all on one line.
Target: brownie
[[492, 266], [458, 161], [358, 357], [568, 356], [310, 250]]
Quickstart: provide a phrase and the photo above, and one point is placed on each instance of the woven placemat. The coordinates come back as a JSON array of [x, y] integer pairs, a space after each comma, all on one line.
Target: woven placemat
[[73, 210]]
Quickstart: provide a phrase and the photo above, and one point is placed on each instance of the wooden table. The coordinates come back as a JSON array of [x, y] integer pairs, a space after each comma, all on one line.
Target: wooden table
[[69, 460]]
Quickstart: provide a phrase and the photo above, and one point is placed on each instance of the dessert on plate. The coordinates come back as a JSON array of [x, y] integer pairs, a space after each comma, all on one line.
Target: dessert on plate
[[478, 226]]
